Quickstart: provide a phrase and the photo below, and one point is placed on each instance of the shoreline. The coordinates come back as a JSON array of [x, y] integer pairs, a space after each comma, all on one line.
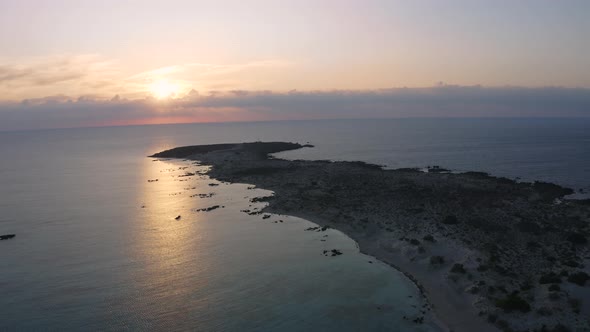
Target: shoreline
[[475, 245], [425, 286]]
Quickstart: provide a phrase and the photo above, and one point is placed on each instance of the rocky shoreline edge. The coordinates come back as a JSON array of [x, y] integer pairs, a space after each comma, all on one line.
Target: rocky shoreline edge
[[488, 253]]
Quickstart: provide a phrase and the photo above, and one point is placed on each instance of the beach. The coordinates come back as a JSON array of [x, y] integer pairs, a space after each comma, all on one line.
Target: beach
[[488, 253]]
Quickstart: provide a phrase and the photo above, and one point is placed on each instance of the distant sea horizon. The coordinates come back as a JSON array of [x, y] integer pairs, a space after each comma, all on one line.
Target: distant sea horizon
[[584, 118]]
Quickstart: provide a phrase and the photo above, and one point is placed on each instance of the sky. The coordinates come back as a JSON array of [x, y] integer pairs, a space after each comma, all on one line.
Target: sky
[[68, 63]]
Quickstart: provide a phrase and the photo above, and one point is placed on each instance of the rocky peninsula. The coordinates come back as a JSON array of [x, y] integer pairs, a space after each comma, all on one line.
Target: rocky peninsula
[[488, 253]]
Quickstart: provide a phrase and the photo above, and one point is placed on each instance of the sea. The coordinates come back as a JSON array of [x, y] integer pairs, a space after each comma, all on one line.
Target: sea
[[108, 239]]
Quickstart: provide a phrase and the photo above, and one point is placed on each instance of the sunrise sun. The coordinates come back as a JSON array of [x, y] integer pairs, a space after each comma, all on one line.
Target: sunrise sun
[[163, 89]]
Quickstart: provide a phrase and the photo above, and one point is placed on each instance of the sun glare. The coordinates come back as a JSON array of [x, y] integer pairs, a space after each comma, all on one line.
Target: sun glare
[[163, 89]]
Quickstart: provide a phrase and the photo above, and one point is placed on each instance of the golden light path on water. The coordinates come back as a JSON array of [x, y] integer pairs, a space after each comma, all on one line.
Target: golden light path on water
[[171, 250]]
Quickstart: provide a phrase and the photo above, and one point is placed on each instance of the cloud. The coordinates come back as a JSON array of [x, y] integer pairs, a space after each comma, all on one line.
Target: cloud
[[242, 105], [207, 76], [444, 100], [41, 76], [211, 69], [85, 74], [50, 70], [18, 75]]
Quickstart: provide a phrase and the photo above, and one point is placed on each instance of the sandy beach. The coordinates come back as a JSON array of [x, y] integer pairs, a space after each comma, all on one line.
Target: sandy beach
[[488, 253]]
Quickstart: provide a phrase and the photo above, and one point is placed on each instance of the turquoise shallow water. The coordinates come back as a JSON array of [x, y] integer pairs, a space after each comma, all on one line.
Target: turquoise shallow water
[[88, 256]]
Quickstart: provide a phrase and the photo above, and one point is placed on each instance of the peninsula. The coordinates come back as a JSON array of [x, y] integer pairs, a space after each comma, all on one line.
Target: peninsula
[[488, 253]]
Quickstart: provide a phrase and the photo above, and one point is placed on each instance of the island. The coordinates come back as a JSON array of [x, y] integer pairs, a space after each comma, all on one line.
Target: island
[[488, 253]]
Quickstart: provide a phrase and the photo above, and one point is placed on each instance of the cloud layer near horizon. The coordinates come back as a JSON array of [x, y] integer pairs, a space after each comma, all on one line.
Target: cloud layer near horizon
[[439, 101]]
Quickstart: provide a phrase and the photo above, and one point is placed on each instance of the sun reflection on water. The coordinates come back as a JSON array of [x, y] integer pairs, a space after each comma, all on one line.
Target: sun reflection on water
[[168, 250]]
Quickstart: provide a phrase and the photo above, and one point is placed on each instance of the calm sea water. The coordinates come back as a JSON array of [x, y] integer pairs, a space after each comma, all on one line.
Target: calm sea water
[[98, 248]]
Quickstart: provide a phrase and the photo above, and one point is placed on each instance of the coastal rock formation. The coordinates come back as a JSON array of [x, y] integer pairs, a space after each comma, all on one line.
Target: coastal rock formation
[[7, 236], [207, 209], [489, 253]]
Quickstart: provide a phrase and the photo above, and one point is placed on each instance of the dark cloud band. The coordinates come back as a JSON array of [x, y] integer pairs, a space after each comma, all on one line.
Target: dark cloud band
[[439, 101]]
